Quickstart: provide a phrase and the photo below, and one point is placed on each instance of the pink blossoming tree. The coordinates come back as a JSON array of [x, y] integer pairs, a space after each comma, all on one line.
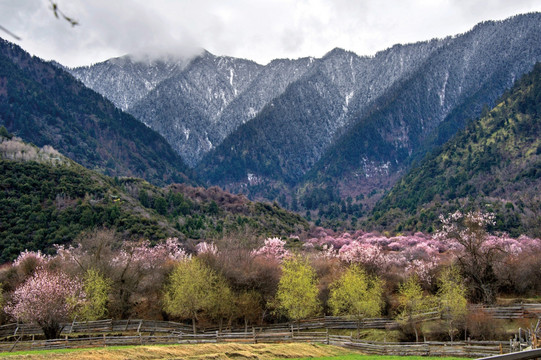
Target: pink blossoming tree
[[206, 248], [46, 298], [273, 248]]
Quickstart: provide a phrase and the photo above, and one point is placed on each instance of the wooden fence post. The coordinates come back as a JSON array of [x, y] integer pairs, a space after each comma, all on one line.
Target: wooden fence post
[[16, 341]]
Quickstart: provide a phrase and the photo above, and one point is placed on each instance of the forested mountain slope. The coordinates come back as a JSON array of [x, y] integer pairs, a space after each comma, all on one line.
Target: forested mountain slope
[[494, 164], [187, 107], [46, 199], [294, 130], [45, 105], [309, 132], [429, 106], [349, 123]]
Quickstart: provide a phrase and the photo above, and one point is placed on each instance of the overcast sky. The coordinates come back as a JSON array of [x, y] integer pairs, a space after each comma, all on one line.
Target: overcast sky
[[260, 30]]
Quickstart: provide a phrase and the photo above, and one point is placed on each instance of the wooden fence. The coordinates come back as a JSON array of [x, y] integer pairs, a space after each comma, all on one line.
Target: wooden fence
[[327, 322], [460, 349], [151, 326], [109, 332], [432, 348], [100, 326], [522, 311]]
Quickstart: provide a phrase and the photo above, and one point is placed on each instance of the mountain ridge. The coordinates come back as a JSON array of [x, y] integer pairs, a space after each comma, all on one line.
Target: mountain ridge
[[312, 123], [45, 105], [494, 163]]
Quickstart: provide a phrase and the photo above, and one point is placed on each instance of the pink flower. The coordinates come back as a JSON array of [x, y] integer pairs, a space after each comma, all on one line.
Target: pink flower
[[273, 248], [357, 252], [206, 248], [45, 298], [149, 257], [36, 257]]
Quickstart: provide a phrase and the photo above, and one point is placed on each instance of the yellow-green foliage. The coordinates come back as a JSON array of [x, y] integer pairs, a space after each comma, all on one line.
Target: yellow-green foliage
[[191, 289], [97, 289], [452, 299], [413, 303], [412, 300], [356, 294], [222, 300], [248, 305], [297, 289]]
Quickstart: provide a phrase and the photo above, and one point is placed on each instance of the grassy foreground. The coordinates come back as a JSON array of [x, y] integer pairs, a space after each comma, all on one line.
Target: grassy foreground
[[208, 351], [378, 357], [195, 351]]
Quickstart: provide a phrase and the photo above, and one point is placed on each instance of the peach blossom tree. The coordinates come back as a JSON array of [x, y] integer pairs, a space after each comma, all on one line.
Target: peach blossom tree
[[47, 299]]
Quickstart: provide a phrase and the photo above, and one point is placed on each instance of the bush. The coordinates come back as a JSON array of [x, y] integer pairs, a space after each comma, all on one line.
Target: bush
[[481, 325]]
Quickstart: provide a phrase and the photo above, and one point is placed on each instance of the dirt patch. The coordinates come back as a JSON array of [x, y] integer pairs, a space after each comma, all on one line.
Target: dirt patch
[[199, 351]]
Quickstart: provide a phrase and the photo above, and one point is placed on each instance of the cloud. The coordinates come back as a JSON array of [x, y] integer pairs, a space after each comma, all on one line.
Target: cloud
[[260, 30]]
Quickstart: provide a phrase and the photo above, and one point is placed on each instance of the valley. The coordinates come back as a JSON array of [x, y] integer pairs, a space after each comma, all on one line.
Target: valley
[[214, 192]]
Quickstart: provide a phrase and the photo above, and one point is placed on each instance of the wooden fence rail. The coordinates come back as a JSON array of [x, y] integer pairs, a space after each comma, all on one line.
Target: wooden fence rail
[[522, 355], [164, 332], [522, 311], [461, 349], [457, 349], [327, 322], [100, 326]]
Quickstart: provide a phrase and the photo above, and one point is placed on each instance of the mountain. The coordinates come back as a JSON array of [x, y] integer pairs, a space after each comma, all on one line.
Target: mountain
[[425, 108], [195, 106], [343, 122], [186, 108], [494, 164], [127, 79], [292, 132], [45, 105], [48, 199]]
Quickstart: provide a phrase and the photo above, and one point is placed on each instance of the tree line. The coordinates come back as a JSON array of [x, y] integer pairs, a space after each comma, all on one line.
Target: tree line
[[233, 282]]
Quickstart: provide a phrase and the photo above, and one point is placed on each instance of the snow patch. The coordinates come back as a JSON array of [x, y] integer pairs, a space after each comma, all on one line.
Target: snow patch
[[209, 143], [372, 168], [349, 96], [251, 113], [441, 93], [148, 85], [253, 179], [231, 77]]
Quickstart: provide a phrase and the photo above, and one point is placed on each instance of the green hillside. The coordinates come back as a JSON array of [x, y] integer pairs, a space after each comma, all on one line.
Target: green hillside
[[46, 199], [494, 164]]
